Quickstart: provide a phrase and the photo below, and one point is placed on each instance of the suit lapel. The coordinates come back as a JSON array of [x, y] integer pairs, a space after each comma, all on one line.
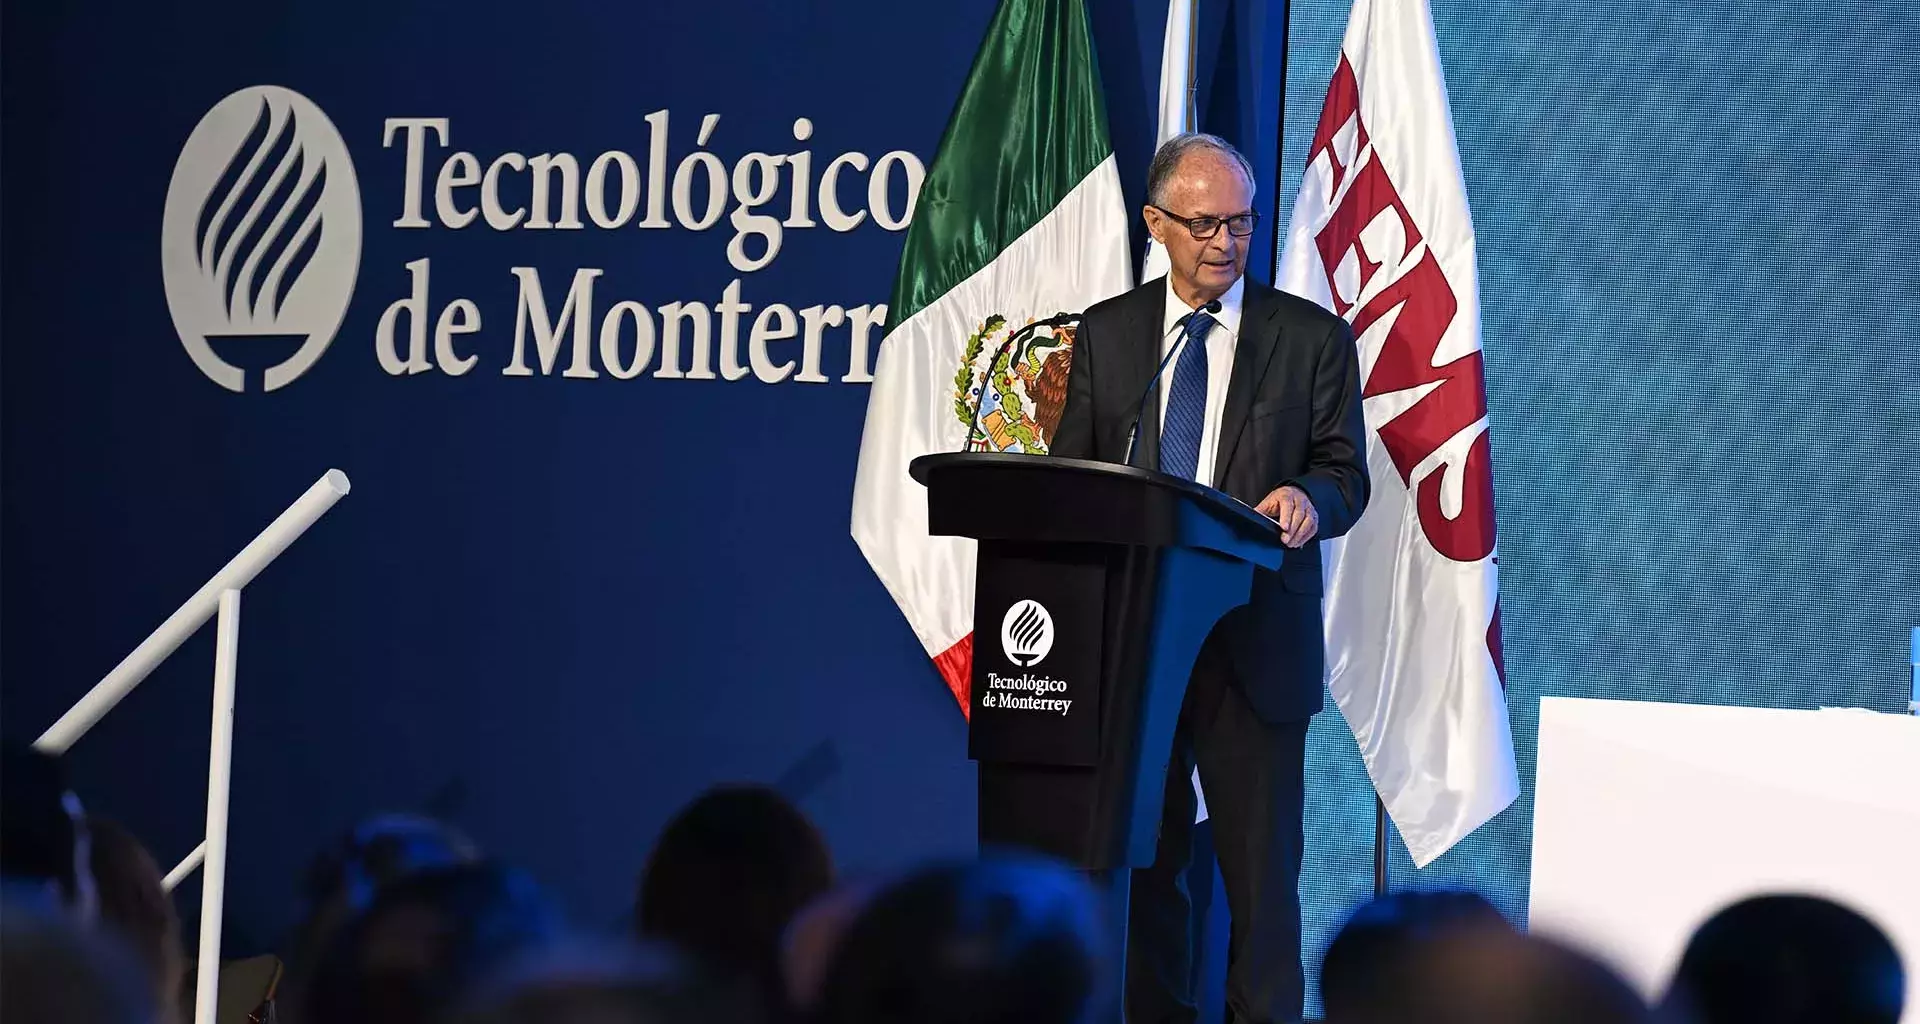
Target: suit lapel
[[1252, 355], [1148, 314]]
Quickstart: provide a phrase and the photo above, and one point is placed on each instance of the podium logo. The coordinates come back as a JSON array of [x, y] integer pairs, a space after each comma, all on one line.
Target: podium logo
[[1026, 633], [260, 241]]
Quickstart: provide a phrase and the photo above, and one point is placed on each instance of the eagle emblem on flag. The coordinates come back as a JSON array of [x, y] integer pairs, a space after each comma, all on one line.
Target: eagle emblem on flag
[[1025, 390]]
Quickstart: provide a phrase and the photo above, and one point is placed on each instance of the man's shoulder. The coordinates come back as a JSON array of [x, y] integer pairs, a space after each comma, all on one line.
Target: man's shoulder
[[1131, 302], [1290, 309]]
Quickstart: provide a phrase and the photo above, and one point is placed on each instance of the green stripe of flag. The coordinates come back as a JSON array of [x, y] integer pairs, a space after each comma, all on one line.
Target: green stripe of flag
[[1029, 126]]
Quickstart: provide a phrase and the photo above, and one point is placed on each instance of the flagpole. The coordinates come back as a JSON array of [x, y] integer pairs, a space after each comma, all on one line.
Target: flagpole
[[1191, 118], [1379, 845], [1280, 144]]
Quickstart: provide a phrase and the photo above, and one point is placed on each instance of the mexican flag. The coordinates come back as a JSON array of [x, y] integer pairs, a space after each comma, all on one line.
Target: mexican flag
[[1020, 218]]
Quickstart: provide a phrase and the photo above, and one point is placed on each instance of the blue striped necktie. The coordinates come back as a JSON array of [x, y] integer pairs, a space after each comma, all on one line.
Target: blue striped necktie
[[1187, 403]]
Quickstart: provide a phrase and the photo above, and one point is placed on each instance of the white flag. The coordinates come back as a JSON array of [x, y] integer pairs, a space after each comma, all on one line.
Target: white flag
[[1176, 108], [1381, 235]]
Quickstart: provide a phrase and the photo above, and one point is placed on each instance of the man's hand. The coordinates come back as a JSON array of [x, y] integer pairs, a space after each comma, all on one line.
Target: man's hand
[[1290, 507]]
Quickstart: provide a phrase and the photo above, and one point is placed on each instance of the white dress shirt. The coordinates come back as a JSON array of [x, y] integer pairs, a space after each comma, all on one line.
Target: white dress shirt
[[1220, 342]]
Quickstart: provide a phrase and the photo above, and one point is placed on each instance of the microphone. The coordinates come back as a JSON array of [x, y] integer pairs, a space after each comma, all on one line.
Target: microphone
[[973, 421], [1140, 407]]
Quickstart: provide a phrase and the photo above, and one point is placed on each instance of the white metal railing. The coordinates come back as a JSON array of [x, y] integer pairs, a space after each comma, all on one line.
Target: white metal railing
[[219, 597]]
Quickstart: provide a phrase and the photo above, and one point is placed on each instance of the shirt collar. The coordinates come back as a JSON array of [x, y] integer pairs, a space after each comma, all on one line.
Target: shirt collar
[[1228, 318]]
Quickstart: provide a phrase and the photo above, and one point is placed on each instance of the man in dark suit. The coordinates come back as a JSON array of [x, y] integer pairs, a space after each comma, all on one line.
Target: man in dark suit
[[1263, 402]]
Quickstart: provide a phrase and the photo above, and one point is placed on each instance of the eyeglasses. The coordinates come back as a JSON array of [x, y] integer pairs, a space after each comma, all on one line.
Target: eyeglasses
[[1240, 225]]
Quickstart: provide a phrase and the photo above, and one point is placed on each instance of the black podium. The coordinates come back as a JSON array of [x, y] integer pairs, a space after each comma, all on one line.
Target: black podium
[[1096, 586]]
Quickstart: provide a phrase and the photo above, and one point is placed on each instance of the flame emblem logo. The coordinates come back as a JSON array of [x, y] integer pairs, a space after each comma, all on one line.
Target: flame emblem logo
[[261, 236], [1026, 633]]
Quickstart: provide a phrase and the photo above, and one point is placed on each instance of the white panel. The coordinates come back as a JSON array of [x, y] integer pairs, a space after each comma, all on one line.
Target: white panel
[[1650, 817]]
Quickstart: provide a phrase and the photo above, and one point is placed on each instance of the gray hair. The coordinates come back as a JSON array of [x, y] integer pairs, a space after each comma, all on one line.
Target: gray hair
[[1172, 151]]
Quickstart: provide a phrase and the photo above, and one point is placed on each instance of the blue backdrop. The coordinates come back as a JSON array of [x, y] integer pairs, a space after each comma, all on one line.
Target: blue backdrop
[[556, 608], [553, 607]]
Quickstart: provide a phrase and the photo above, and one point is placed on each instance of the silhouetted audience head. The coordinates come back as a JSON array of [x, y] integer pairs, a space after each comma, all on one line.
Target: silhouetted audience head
[[1494, 976], [609, 985], [812, 940], [727, 876], [45, 851], [1789, 960], [135, 905], [427, 940], [999, 942], [344, 879], [1383, 930], [386, 847], [55, 971]]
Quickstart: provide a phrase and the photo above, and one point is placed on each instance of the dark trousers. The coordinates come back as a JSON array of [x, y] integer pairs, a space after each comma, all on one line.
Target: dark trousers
[[1253, 773]]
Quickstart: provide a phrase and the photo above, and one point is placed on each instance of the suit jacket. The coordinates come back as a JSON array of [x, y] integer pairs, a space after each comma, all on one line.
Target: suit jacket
[[1292, 417]]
